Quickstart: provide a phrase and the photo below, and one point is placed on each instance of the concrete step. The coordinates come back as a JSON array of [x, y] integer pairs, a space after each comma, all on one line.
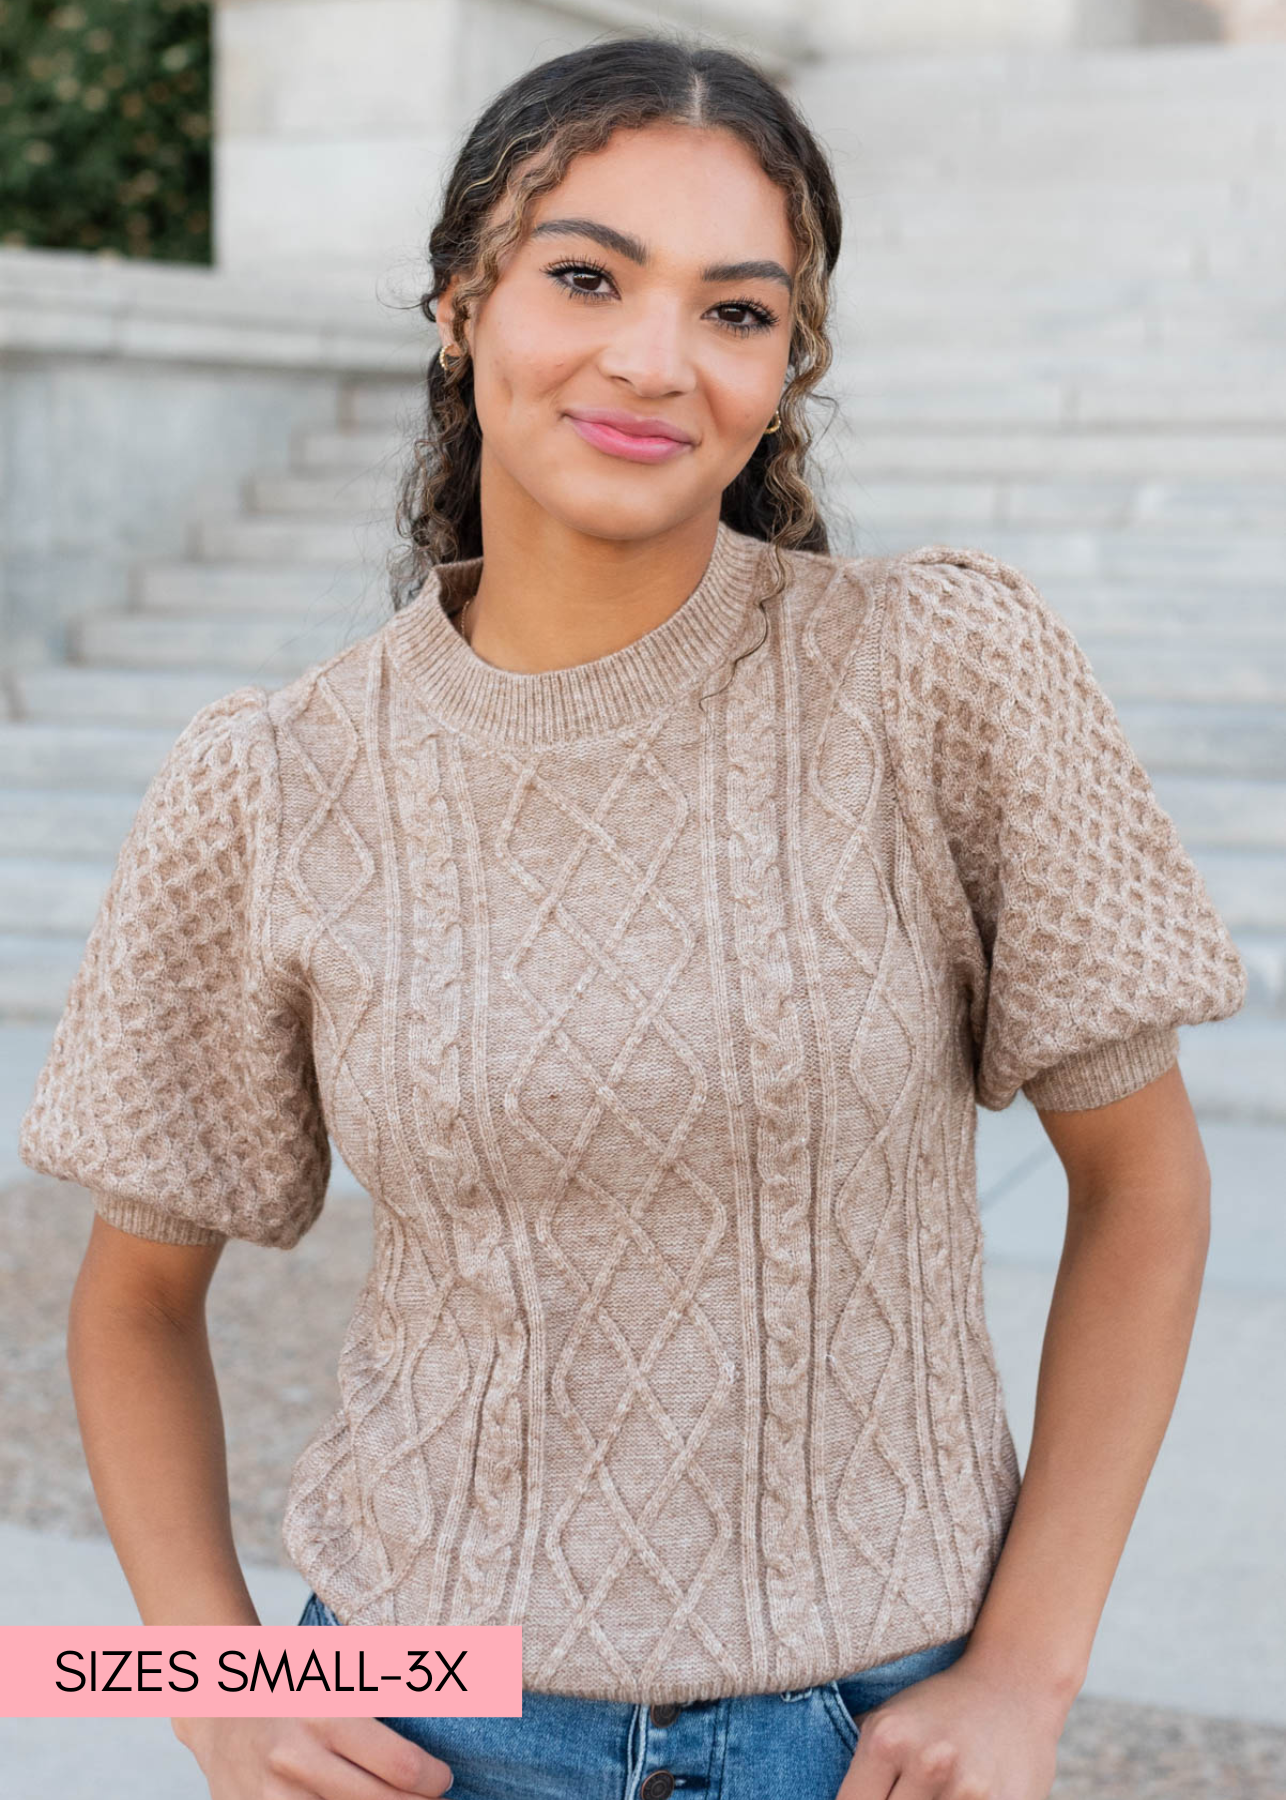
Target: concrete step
[[257, 643], [106, 758], [198, 587], [1152, 366], [1015, 147], [1138, 314], [1236, 1068], [1074, 231], [1055, 400], [1219, 811], [1183, 668], [157, 698], [358, 452], [991, 87], [1138, 457], [76, 823], [1246, 741], [1013, 125], [1081, 295], [342, 543], [1247, 886], [1127, 553], [364, 496], [1139, 610], [906, 211], [394, 405], [1195, 403], [988, 261], [35, 975], [1264, 954], [1244, 72], [1113, 503], [48, 896]]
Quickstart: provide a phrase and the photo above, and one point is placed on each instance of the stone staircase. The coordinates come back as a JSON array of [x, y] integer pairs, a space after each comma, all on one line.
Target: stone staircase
[[1060, 332]]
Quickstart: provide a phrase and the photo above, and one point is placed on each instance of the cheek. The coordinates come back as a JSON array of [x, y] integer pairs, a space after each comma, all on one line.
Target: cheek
[[742, 400], [529, 354]]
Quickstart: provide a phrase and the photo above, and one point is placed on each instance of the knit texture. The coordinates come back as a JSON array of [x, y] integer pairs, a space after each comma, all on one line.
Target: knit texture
[[651, 1000]]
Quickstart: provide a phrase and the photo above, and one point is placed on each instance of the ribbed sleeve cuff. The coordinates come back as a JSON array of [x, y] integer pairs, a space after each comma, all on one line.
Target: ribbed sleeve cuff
[[152, 1222], [1107, 1072]]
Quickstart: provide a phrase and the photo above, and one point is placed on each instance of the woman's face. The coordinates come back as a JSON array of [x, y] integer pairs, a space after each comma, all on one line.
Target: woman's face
[[654, 282]]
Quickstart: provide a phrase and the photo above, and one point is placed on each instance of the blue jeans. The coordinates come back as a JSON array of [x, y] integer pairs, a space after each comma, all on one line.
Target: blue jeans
[[742, 1747]]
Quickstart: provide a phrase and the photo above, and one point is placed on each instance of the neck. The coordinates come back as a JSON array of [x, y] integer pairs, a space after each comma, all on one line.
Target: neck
[[549, 597]]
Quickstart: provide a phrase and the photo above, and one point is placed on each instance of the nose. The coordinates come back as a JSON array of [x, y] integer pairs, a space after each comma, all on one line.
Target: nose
[[647, 346]]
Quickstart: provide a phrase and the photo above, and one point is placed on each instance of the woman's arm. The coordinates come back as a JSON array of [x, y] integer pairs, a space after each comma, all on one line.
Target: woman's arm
[[148, 1407], [152, 1426], [1120, 1323]]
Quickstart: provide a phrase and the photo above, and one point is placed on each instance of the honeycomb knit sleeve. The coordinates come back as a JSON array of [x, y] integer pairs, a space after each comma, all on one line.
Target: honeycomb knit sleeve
[[179, 1088], [1042, 842]]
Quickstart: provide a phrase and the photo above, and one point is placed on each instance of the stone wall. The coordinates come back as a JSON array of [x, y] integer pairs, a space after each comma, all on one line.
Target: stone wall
[[336, 120], [135, 398]]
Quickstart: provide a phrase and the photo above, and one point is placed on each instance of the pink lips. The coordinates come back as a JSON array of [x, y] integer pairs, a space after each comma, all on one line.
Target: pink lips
[[620, 434]]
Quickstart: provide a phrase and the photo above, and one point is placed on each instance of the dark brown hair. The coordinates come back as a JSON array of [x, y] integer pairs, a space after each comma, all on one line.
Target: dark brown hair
[[521, 146]]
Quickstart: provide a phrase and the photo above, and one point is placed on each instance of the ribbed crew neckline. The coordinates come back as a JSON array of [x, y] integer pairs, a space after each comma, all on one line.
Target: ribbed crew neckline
[[587, 698]]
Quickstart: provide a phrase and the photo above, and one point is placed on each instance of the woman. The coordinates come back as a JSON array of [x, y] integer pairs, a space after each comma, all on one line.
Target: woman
[[644, 910]]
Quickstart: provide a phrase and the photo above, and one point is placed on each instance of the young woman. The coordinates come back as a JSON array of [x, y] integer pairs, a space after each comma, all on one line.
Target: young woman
[[644, 910]]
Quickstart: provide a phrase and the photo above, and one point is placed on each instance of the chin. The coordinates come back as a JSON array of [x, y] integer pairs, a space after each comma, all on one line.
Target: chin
[[619, 517]]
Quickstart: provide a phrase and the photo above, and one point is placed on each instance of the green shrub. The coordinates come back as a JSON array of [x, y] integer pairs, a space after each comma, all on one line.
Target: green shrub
[[105, 123]]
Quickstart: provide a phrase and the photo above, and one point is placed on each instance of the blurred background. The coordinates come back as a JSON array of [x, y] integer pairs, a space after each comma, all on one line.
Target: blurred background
[[1060, 323]]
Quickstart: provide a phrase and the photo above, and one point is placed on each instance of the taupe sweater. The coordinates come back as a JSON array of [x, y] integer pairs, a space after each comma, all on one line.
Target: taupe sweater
[[656, 1031]]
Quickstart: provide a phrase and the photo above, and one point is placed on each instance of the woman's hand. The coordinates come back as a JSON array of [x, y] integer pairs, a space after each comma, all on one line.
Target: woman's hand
[[961, 1734], [309, 1759]]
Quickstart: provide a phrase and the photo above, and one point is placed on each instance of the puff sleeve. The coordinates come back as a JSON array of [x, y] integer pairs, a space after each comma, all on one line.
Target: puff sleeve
[[1083, 930], [179, 1088]]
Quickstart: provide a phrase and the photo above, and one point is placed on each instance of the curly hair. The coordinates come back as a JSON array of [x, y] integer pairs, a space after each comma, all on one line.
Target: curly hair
[[520, 146]]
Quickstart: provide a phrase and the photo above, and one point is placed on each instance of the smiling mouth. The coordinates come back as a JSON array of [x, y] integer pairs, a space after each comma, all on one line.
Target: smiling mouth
[[627, 444]]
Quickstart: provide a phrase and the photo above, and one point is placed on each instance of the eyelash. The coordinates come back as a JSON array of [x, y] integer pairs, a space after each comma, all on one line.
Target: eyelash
[[764, 316]]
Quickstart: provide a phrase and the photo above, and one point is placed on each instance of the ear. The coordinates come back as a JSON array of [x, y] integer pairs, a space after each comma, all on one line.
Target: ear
[[446, 314]]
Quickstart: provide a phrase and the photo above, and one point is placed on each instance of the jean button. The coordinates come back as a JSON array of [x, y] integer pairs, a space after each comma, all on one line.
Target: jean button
[[658, 1786], [664, 1713]]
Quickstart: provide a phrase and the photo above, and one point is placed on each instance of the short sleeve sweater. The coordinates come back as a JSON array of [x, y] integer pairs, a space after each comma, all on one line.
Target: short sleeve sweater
[[651, 999]]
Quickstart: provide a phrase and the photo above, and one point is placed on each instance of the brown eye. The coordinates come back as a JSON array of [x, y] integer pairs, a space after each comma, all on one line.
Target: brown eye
[[762, 319]]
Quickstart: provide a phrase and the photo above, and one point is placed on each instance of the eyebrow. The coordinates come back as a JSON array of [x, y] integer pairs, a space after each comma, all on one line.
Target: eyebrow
[[637, 251]]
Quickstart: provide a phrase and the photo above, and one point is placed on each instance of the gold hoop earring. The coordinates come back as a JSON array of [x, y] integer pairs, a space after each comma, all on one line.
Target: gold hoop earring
[[442, 359], [769, 428]]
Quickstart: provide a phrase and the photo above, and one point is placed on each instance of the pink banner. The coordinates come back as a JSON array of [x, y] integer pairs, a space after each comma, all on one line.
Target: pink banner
[[260, 1671]]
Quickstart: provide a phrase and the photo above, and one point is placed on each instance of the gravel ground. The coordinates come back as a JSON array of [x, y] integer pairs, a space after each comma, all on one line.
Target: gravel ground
[[276, 1322]]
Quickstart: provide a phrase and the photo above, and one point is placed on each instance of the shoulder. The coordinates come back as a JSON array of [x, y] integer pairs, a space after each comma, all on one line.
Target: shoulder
[[223, 742], [931, 587], [939, 614], [964, 630], [965, 597]]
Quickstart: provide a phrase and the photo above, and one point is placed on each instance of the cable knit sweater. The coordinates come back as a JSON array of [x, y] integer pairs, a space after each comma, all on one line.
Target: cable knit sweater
[[655, 1026]]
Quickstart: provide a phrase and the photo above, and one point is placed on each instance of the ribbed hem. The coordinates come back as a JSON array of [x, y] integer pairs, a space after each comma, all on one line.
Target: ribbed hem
[[151, 1221], [587, 698], [1107, 1072]]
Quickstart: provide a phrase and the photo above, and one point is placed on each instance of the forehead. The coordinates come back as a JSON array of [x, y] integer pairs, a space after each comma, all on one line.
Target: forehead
[[686, 193]]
